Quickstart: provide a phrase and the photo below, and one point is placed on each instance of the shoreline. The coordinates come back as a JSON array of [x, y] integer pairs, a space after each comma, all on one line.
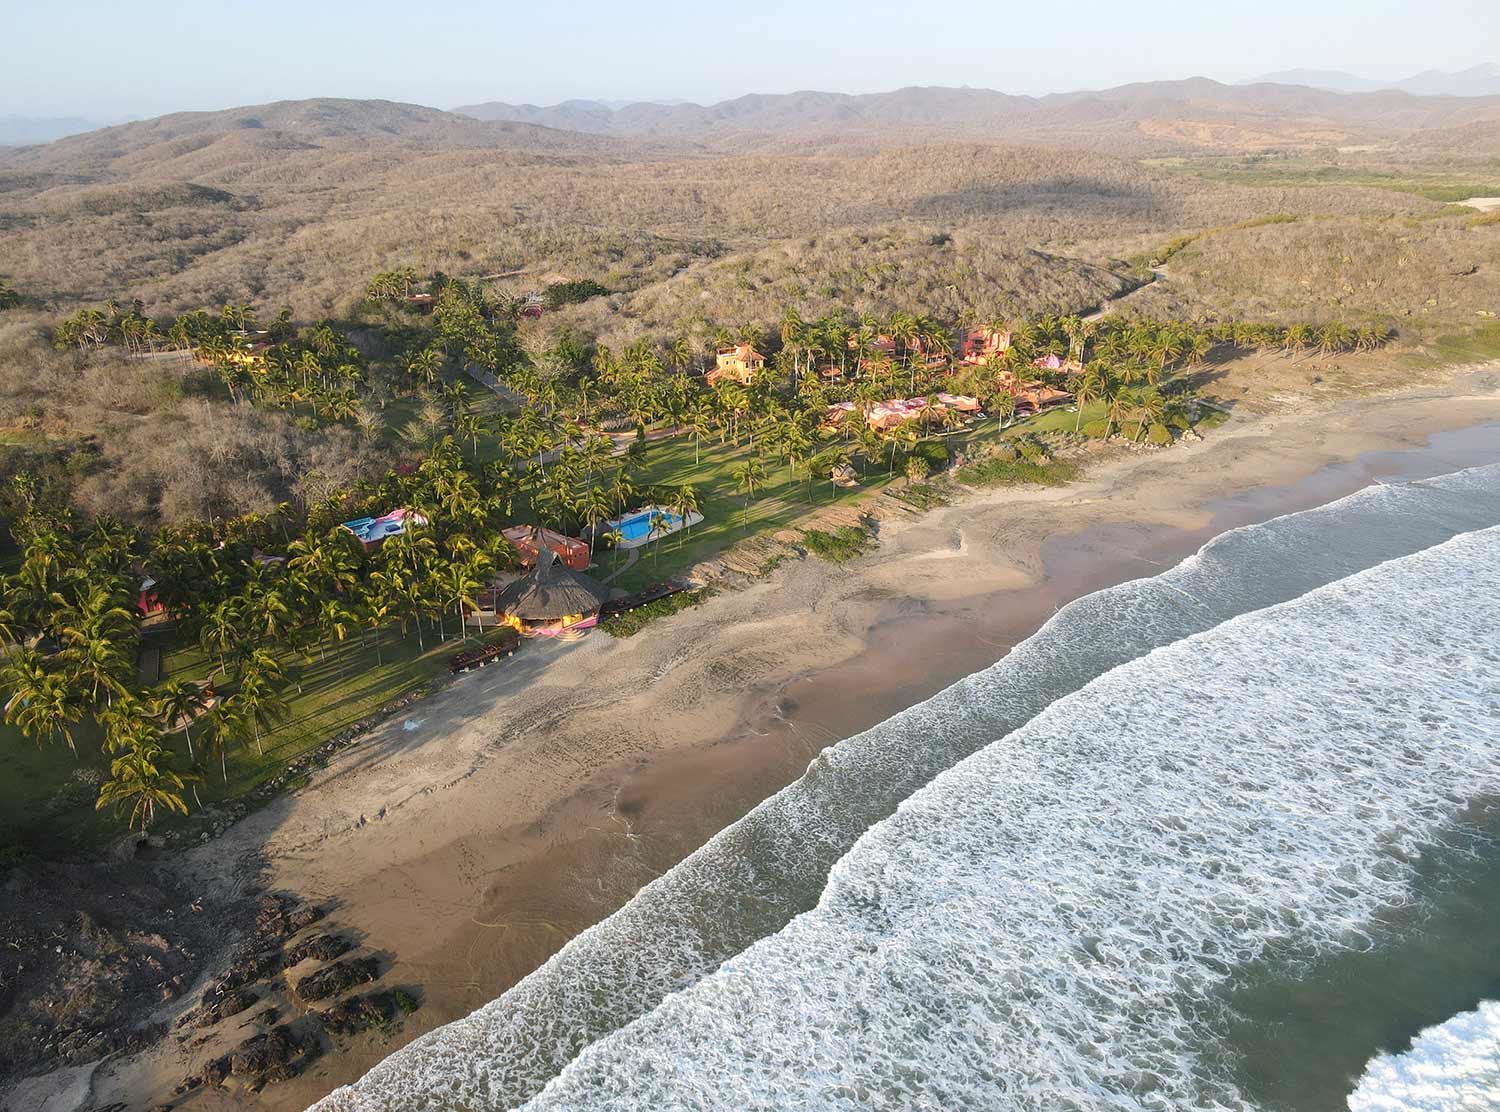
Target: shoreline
[[471, 837]]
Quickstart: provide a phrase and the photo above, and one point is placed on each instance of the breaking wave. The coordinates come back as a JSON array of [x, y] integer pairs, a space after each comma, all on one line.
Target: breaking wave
[[1048, 924], [1454, 1067], [757, 876]]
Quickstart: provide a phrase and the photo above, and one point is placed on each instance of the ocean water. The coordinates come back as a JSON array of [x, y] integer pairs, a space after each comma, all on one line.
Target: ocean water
[[1166, 783], [1048, 924]]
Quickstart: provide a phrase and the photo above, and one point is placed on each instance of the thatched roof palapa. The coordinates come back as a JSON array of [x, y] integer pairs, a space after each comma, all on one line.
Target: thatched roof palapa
[[552, 590]]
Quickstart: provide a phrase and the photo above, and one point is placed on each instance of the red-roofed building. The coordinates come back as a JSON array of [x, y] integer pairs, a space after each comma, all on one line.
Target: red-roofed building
[[528, 541], [740, 364], [981, 344]]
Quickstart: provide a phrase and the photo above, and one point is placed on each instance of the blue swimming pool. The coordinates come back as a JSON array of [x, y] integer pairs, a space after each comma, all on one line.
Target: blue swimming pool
[[637, 527]]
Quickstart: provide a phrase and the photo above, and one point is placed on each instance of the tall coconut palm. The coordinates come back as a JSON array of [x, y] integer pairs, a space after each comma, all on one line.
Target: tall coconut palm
[[1095, 384], [263, 706], [461, 580], [225, 726], [176, 704], [142, 782], [682, 503], [42, 703], [749, 477], [221, 632]]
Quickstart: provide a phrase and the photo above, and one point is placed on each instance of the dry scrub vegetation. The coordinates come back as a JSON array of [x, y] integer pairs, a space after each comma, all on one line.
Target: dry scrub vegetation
[[1415, 275], [298, 204]]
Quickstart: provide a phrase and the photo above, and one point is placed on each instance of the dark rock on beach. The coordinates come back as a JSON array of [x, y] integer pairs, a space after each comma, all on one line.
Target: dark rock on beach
[[337, 978], [359, 1013], [274, 1056], [321, 947], [230, 1003]]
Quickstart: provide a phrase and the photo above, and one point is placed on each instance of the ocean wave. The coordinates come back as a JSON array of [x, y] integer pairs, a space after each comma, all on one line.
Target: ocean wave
[[1048, 924], [1453, 1067], [750, 880]]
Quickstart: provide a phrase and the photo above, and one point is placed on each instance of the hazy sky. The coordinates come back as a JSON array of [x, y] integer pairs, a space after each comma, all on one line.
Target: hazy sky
[[111, 59]]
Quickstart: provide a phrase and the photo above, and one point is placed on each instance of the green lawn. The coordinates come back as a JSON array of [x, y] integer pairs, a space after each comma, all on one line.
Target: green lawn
[[784, 501], [47, 794], [779, 503]]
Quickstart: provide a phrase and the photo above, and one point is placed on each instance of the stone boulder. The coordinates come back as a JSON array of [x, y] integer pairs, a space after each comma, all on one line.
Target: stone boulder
[[340, 977]]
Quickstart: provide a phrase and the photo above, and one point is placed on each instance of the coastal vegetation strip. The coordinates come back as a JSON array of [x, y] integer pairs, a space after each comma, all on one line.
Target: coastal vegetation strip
[[269, 632]]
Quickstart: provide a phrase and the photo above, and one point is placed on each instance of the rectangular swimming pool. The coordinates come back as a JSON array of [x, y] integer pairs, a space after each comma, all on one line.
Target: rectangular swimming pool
[[637, 527]]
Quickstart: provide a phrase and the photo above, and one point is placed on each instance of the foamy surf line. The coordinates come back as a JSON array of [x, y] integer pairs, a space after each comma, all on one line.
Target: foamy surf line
[[1047, 924], [1453, 1067], [753, 877]]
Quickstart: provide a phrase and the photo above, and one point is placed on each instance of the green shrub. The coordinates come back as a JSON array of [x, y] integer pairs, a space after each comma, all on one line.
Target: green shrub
[[839, 546], [998, 472], [406, 1001], [571, 293], [1159, 435], [1098, 430], [934, 452], [1032, 450], [632, 622]]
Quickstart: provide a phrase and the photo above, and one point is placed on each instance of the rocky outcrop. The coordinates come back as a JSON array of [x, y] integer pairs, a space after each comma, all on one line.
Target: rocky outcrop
[[338, 978]]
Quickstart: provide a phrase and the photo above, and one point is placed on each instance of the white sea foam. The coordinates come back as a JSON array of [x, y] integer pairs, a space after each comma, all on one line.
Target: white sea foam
[[1454, 1067], [1049, 924], [752, 878]]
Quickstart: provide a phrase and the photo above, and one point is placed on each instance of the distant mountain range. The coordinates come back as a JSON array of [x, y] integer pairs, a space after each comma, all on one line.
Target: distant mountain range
[[1152, 118], [20, 131], [1195, 112], [1476, 81]]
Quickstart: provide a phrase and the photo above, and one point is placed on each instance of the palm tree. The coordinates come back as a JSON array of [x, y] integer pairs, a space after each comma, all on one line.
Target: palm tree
[[262, 705], [42, 703], [1093, 385], [95, 637], [1003, 405], [1146, 408], [177, 704], [748, 478], [683, 502], [220, 633], [224, 727], [656, 529], [142, 782], [335, 620], [461, 580]]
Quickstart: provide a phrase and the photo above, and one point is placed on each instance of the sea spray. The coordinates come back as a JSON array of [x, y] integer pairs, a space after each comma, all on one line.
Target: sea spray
[[752, 878], [1047, 925]]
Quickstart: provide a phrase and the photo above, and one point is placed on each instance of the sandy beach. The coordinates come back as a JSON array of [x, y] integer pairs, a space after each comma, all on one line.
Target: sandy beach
[[468, 840]]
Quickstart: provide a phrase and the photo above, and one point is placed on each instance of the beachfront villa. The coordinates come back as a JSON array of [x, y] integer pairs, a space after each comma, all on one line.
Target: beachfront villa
[[739, 364], [982, 344], [372, 532], [1033, 397], [891, 414], [1057, 363], [530, 540], [552, 601]]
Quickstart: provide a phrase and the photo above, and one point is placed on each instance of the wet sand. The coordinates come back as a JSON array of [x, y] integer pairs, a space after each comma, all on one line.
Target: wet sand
[[473, 838]]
